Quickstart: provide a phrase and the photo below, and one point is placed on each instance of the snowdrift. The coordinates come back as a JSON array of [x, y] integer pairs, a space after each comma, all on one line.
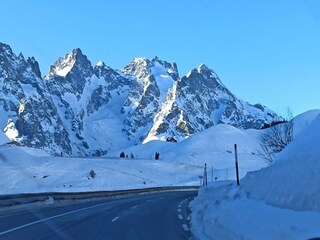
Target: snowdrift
[[293, 180]]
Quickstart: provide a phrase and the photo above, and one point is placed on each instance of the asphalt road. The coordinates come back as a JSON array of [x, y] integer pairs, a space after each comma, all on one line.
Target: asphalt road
[[148, 216]]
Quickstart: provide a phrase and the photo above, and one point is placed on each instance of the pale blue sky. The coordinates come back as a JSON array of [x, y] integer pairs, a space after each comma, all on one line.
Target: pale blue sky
[[263, 51]]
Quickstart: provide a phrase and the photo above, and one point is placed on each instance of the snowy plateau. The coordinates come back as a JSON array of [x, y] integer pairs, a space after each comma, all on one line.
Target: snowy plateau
[[79, 118]]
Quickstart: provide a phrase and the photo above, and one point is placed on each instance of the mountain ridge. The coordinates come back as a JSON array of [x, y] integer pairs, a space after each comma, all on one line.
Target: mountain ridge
[[89, 110]]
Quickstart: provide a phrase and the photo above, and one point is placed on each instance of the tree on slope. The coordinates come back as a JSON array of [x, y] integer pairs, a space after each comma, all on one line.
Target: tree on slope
[[274, 139]]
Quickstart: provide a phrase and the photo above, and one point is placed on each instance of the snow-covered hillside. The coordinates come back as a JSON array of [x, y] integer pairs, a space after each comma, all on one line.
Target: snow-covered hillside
[[214, 146], [281, 201], [27, 170]]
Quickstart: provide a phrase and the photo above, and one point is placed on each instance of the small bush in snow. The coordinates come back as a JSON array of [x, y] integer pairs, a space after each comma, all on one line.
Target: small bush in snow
[[92, 173]]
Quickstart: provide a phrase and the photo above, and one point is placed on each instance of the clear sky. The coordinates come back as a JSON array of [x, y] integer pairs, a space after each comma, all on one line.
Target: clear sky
[[263, 51]]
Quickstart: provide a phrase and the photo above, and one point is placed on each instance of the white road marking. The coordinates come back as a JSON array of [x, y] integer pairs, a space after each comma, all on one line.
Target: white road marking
[[134, 206], [180, 216], [185, 227], [115, 219], [49, 218], [179, 206], [179, 209]]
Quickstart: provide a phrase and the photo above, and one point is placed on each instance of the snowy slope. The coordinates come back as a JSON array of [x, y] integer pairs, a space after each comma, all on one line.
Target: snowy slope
[[214, 146], [3, 138], [302, 121], [27, 170]]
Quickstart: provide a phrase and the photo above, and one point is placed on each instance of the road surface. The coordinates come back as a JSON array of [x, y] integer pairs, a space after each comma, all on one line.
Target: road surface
[[148, 216]]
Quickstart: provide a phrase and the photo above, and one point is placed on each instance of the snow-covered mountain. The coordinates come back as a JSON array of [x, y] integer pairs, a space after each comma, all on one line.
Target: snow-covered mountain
[[27, 112], [79, 109], [199, 101], [151, 81]]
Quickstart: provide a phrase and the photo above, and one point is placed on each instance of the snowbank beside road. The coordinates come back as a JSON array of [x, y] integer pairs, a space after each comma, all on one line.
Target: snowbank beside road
[[223, 212], [293, 180], [281, 201]]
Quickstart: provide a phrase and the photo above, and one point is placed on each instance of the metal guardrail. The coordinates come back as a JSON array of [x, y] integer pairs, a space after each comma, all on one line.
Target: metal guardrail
[[25, 198]]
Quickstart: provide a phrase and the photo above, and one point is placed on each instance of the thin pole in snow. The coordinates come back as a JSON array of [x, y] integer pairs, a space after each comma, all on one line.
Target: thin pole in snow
[[205, 175], [237, 167]]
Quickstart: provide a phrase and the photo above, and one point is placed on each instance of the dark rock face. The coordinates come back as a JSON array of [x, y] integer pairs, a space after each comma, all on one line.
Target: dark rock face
[[83, 110], [34, 66]]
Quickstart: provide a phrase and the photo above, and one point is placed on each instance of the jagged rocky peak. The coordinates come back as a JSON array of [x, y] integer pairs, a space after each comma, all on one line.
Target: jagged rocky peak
[[113, 78], [14, 67], [101, 67], [172, 68], [73, 59], [202, 79], [26, 105], [204, 71], [34, 66], [141, 67], [5, 49], [70, 74], [101, 64], [8, 59]]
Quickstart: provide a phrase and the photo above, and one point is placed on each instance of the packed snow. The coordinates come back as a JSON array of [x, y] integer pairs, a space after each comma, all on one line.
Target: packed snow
[[281, 201]]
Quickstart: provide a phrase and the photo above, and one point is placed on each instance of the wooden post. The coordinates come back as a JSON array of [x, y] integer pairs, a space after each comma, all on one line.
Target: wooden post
[[205, 176], [237, 167]]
